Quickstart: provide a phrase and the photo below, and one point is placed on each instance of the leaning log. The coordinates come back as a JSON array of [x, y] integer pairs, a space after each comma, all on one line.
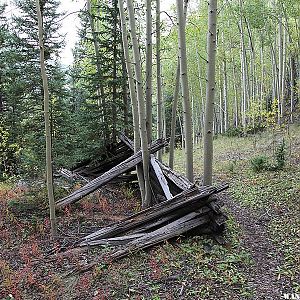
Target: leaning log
[[121, 168]]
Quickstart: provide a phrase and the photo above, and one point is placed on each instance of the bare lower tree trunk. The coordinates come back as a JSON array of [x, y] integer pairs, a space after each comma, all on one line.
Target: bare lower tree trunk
[[160, 127], [187, 115], [133, 96], [173, 119], [210, 92], [141, 104], [49, 170], [149, 69], [175, 104]]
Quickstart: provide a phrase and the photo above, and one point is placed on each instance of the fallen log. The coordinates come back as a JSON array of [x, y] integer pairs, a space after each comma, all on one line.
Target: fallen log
[[121, 168], [176, 228]]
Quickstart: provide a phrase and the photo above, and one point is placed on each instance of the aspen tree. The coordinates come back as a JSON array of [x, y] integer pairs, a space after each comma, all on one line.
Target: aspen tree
[[175, 104], [160, 127], [133, 96], [141, 103], [210, 91], [149, 52], [187, 112], [49, 171]]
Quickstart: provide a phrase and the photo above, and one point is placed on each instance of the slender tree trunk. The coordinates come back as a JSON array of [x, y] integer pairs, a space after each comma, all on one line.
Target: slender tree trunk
[[243, 69], [221, 111], [201, 92], [133, 96], [173, 119], [175, 104], [210, 91], [149, 69], [236, 106], [280, 65], [160, 127], [49, 170], [114, 75], [141, 104], [187, 115]]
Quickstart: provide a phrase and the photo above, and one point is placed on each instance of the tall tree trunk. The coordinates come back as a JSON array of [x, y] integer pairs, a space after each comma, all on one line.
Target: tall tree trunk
[[173, 119], [133, 97], [160, 127], [243, 68], [175, 104], [49, 170], [210, 91], [149, 69], [114, 75], [141, 104], [187, 115]]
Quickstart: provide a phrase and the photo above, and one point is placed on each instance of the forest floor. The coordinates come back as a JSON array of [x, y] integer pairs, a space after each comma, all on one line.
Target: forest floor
[[260, 261]]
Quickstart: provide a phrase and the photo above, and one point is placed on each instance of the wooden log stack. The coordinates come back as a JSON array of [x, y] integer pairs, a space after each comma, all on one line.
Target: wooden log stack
[[181, 207]]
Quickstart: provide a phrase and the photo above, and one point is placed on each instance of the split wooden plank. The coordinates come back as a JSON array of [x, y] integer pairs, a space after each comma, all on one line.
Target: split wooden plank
[[116, 241], [121, 168], [176, 228], [161, 178], [182, 182]]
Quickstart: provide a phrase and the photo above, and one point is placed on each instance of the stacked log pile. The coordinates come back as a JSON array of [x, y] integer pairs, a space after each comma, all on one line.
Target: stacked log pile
[[181, 207]]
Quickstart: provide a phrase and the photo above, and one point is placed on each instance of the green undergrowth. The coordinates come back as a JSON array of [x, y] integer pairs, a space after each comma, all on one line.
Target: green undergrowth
[[272, 193]]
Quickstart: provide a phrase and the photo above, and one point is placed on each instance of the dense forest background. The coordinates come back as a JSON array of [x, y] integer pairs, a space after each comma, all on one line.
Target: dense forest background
[[257, 77]]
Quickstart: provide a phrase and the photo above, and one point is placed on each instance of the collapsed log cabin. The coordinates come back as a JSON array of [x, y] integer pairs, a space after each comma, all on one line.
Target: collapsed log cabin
[[181, 207]]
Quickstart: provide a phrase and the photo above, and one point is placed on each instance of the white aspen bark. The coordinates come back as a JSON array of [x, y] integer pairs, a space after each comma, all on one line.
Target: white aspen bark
[[185, 92], [49, 170], [201, 92], [280, 66], [141, 104], [149, 69], [175, 105], [236, 106], [262, 79], [221, 111], [282, 104], [210, 92], [160, 127], [133, 97], [243, 68], [173, 119], [225, 89]]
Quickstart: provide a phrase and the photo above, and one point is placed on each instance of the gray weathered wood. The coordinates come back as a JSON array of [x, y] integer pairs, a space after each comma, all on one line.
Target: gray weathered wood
[[121, 168], [116, 241], [191, 199], [176, 228], [182, 182], [161, 178]]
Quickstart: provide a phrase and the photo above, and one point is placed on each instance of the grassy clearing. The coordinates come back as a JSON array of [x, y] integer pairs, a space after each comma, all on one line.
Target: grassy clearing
[[272, 195]]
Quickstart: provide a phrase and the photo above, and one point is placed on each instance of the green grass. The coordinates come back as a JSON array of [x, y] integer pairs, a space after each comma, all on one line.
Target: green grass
[[276, 193]]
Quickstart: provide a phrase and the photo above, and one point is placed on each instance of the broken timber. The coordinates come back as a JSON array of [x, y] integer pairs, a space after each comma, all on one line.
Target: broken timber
[[119, 169], [185, 209]]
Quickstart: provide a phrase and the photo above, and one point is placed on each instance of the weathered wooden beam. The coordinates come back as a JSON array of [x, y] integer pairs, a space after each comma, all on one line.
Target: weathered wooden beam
[[116, 241], [161, 178], [176, 228], [190, 200], [121, 168], [182, 182]]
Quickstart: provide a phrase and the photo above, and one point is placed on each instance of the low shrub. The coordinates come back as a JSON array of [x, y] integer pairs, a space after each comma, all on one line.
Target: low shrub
[[259, 163]]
